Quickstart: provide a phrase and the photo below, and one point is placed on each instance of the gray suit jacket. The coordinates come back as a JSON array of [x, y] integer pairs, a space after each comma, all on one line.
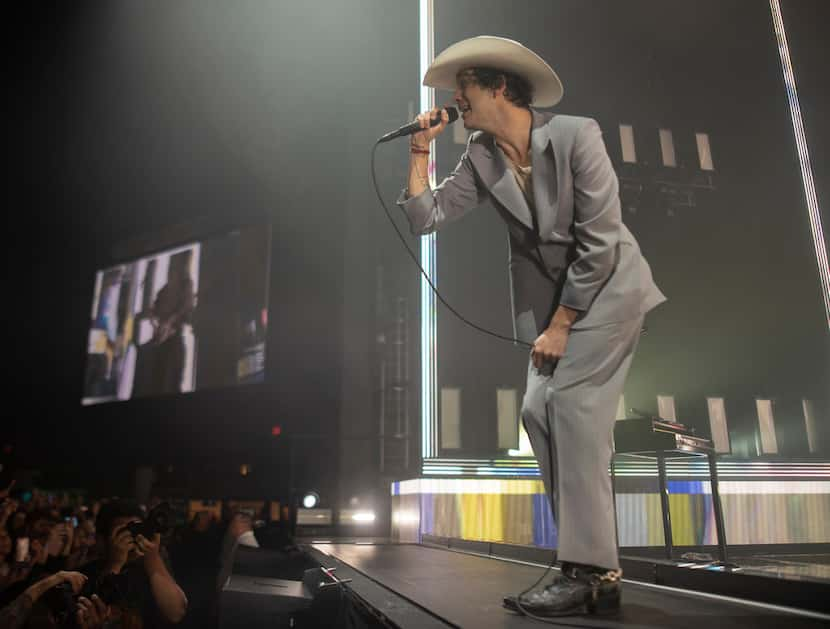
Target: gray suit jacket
[[575, 251]]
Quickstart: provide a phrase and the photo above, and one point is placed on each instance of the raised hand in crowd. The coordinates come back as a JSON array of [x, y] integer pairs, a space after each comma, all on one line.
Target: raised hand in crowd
[[121, 545], [149, 550], [15, 614], [170, 598], [75, 579], [92, 612]]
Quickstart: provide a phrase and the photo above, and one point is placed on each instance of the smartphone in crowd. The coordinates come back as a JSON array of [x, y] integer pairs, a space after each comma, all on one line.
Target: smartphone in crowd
[[21, 550]]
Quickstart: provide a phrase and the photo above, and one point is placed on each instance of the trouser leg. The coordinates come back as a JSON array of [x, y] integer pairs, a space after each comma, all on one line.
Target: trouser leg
[[580, 402], [534, 411]]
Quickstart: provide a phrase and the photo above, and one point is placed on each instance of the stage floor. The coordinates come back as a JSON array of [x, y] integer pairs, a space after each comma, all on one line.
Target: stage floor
[[814, 567], [458, 589]]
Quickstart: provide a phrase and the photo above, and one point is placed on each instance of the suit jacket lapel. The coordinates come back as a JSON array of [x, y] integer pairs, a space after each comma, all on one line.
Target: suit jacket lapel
[[543, 160], [491, 164]]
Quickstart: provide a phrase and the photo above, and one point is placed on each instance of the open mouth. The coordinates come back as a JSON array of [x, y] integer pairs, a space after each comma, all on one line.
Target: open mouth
[[463, 108]]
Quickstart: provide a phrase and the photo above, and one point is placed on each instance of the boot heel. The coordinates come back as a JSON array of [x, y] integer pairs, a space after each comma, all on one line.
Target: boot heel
[[604, 606]]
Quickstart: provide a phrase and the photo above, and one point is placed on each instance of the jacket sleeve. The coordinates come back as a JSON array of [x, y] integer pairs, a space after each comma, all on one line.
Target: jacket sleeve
[[451, 199], [596, 219]]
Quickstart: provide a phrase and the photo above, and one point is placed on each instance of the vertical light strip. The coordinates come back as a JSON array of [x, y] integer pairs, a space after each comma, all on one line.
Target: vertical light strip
[[429, 336], [803, 156]]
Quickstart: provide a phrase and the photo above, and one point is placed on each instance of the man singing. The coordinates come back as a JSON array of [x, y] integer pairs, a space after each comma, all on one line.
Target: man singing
[[580, 287]]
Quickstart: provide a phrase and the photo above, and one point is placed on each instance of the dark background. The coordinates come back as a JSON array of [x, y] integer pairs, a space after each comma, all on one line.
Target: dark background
[[152, 120]]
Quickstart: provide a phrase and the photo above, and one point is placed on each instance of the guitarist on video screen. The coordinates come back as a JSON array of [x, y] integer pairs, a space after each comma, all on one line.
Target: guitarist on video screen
[[172, 308]]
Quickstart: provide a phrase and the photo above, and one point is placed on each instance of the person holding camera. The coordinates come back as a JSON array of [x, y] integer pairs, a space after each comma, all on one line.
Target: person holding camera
[[88, 613], [132, 575]]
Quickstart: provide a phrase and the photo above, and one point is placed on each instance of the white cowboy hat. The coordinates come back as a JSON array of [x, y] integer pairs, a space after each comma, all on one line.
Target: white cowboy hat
[[486, 51]]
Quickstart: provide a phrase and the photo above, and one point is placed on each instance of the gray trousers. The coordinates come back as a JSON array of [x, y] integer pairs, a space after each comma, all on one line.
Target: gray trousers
[[578, 399]]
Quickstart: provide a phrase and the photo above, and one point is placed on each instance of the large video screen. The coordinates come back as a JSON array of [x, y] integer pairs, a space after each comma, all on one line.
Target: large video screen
[[188, 318]]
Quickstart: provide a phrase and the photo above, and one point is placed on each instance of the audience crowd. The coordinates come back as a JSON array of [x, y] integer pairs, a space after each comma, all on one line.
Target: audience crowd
[[112, 563]]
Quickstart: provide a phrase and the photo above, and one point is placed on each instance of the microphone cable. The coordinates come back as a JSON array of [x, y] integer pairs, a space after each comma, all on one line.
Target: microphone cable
[[412, 255]]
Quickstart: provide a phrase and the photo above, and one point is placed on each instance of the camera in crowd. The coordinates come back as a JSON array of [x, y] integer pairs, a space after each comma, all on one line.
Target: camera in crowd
[[158, 520]]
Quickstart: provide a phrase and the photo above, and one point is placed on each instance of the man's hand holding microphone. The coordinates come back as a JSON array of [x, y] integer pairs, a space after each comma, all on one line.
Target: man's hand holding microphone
[[419, 147]]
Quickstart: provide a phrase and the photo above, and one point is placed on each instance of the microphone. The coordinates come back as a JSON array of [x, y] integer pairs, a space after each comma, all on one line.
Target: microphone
[[414, 127]]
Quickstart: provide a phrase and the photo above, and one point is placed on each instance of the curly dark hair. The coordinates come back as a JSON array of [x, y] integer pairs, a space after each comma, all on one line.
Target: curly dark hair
[[518, 89]]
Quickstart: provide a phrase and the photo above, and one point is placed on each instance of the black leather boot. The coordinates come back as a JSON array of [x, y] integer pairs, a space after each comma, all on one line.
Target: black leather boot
[[578, 590]]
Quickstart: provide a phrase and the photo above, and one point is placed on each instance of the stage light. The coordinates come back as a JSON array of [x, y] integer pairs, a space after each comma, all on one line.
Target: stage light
[[363, 516], [704, 151], [311, 500], [667, 148], [718, 424], [450, 418], [406, 517], [811, 425], [803, 155], [766, 424], [666, 408], [629, 149], [429, 307], [507, 418]]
